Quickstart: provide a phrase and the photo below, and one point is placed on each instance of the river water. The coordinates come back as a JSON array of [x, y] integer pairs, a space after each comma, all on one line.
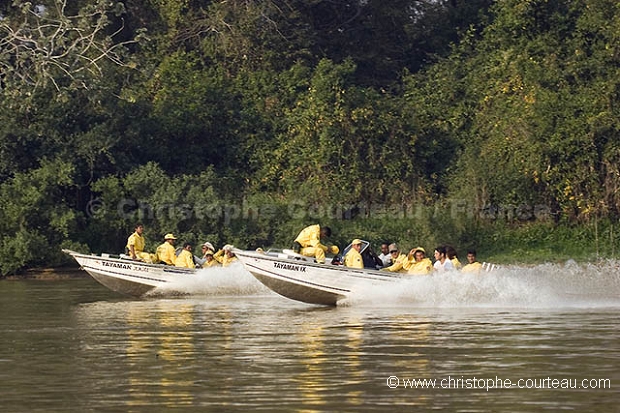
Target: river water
[[543, 338]]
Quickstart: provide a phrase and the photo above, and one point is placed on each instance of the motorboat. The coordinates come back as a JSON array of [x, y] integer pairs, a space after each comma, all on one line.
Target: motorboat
[[130, 277], [300, 278]]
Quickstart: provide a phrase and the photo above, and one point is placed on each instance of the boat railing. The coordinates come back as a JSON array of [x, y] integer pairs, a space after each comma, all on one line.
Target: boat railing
[[487, 266]]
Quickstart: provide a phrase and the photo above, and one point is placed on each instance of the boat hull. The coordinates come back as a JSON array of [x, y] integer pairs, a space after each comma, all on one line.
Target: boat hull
[[308, 282], [129, 277]]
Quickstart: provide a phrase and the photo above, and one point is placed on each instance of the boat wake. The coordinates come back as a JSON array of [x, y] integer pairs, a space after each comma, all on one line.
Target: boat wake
[[544, 286], [230, 280]]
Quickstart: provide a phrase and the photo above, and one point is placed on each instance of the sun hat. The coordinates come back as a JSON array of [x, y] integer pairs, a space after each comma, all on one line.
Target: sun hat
[[169, 236], [356, 241]]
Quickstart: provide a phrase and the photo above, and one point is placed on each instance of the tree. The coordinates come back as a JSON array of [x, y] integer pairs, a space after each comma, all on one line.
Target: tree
[[546, 79], [35, 217], [43, 44]]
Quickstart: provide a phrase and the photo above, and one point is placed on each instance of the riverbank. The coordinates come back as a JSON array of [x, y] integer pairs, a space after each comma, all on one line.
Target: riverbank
[[49, 274]]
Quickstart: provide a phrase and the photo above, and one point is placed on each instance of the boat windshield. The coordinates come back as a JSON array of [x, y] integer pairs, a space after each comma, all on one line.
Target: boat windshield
[[371, 260]]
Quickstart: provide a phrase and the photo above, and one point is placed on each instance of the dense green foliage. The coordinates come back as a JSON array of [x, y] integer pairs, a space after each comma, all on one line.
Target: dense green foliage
[[476, 123]]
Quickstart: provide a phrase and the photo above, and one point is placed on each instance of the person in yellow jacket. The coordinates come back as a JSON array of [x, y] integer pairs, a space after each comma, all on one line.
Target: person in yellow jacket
[[417, 263], [308, 243], [473, 266], [135, 245], [185, 258], [452, 256], [398, 260], [353, 258], [165, 252], [209, 260], [225, 256]]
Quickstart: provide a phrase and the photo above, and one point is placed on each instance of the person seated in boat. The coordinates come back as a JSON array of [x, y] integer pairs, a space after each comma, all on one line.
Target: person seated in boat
[[353, 258], [417, 263], [442, 263], [308, 243], [452, 256], [385, 257], [225, 256], [209, 260], [135, 245], [472, 264], [398, 260], [165, 252], [370, 258], [185, 258], [207, 247]]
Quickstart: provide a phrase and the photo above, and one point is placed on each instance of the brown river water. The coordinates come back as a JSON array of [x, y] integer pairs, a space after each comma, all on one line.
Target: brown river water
[[543, 338]]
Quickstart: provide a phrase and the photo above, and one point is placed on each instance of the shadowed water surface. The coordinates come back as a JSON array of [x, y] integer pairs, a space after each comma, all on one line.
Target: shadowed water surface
[[73, 346]]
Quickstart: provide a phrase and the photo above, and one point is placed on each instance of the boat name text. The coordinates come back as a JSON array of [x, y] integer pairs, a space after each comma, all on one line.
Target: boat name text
[[291, 267], [116, 265]]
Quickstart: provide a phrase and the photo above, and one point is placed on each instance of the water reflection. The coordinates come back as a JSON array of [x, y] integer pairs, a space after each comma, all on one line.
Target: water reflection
[[192, 353], [90, 351], [311, 379]]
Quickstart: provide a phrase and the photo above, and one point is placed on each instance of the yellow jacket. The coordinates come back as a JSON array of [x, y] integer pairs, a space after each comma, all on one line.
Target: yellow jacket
[[185, 259], [473, 267], [353, 259], [137, 241], [165, 253], [223, 258], [212, 263], [397, 265], [311, 237], [423, 267], [457, 264]]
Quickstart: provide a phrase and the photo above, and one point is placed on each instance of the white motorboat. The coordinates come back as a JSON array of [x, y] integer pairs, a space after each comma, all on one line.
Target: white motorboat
[[128, 276], [300, 278]]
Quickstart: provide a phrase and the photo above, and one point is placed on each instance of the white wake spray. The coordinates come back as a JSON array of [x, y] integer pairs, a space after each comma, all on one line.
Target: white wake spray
[[230, 280], [542, 286]]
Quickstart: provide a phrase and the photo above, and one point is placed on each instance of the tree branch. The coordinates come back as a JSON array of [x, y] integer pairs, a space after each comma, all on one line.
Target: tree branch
[[40, 45]]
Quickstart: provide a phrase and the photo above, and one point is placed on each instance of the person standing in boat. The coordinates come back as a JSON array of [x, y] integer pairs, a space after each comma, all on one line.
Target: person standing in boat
[[473, 265], [165, 252], [417, 263], [308, 243], [135, 245], [185, 258], [398, 260], [442, 263], [353, 259]]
